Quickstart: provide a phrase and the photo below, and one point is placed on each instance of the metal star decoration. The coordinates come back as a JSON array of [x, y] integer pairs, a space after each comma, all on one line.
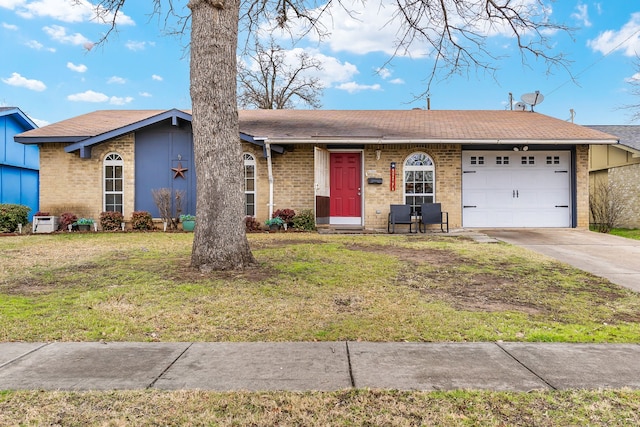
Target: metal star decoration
[[179, 171]]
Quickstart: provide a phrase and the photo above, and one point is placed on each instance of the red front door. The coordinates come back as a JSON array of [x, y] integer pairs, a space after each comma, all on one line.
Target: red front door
[[345, 185]]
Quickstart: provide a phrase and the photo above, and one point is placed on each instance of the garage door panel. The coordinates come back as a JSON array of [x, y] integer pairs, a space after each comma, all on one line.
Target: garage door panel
[[475, 179], [491, 219], [498, 180], [555, 198], [531, 190]]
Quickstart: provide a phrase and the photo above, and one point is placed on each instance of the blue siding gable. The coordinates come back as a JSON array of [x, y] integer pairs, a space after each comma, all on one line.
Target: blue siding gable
[[13, 153], [158, 150], [19, 164]]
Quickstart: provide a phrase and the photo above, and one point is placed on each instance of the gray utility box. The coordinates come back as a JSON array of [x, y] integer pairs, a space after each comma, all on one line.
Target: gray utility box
[[45, 224]]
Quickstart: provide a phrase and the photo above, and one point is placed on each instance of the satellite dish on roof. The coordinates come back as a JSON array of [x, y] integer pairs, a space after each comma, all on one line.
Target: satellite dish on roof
[[532, 98], [520, 106]]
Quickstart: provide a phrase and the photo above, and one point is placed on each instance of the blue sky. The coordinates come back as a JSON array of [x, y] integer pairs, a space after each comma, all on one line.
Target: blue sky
[[50, 69]]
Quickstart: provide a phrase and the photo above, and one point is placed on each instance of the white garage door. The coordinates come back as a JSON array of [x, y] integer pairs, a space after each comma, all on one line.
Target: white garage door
[[516, 189]]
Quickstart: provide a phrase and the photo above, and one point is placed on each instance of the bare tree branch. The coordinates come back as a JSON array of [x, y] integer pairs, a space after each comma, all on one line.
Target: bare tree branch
[[272, 82]]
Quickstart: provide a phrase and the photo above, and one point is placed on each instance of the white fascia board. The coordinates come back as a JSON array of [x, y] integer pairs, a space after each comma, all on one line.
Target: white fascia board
[[379, 141]]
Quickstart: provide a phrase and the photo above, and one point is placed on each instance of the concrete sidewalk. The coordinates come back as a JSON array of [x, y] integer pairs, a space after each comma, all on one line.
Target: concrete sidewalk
[[323, 366]]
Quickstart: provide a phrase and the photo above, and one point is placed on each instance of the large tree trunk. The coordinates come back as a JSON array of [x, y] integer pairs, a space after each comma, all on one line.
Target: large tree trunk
[[220, 242]]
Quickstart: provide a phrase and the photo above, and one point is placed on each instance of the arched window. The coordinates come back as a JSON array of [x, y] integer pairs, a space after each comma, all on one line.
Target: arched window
[[419, 181], [113, 183], [249, 184]]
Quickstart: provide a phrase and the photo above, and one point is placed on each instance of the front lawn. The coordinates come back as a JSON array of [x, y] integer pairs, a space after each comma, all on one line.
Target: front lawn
[[138, 287]]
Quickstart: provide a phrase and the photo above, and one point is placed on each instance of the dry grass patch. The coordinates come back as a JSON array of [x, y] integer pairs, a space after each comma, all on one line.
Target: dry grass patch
[[138, 287], [349, 407]]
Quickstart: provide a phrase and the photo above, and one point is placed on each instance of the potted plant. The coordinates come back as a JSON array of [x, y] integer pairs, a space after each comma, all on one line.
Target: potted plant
[[188, 222], [287, 216], [67, 221], [84, 224], [274, 224]]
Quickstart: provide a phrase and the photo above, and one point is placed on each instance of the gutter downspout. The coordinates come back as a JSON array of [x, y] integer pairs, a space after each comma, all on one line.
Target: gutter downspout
[[267, 148]]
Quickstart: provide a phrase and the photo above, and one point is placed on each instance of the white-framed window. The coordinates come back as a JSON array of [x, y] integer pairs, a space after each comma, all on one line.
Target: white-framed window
[[113, 183], [419, 181], [249, 184]]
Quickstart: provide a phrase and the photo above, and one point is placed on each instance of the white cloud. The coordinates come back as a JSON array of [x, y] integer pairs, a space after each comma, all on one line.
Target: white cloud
[[11, 4], [59, 34], [116, 80], [80, 68], [599, 8], [135, 45], [582, 15], [9, 26], [633, 79], [145, 94], [115, 100], [19, 81], [627, 39], [360, 28], [92, 96], [332, 70], [66, 11], [40, 122], [88, 96], [34, 44], [157, 77], [353, 87], [385, 73]]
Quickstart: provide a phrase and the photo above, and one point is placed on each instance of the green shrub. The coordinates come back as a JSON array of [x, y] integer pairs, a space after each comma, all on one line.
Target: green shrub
[[305, 220], [142, 220], [66, 219], [111, 220], [11, 215]]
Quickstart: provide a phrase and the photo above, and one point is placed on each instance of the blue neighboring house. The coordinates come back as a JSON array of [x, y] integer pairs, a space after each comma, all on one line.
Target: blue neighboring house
[[19, 163]]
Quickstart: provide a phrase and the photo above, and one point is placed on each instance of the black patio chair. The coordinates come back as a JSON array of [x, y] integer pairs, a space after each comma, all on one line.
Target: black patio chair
[[432, 214], [400, 214]]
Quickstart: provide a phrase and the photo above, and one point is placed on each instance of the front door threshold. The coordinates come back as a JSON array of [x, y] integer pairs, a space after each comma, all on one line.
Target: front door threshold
[[342, 229], [345, 220]]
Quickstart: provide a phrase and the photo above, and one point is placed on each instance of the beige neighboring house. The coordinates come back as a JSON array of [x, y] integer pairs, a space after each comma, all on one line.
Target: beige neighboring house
[[619, 166], [486, 168]]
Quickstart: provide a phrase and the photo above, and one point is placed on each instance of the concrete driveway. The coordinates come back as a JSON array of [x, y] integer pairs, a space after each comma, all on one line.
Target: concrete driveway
[[612, 257]]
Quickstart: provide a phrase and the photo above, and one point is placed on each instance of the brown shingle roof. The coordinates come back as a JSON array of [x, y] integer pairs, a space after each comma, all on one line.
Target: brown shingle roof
[[92, 124], [386, 125], [456, 125]]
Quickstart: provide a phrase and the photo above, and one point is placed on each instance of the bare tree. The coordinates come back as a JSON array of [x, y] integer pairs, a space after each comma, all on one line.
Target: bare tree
[[607, 204], [455, 30], [272, 82], [635, 91]]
